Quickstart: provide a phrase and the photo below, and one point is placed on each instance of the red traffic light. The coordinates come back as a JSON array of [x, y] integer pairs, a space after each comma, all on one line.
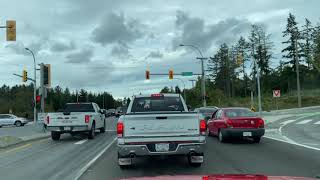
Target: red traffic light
[[38, 99], [147, 74]]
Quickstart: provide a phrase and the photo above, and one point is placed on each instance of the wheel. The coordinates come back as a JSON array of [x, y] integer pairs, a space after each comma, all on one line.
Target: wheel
[[55, 135], [92, 131], [256, 139], [18, 123], [193, 164], [221, 137], [103, 129]]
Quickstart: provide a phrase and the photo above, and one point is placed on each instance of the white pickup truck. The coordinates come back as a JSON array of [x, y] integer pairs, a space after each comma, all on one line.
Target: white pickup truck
[[160, 125], [76, 118]]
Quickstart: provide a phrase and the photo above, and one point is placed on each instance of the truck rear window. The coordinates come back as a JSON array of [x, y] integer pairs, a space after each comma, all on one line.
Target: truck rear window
[[234, 113], [149, 104], [78, 108]]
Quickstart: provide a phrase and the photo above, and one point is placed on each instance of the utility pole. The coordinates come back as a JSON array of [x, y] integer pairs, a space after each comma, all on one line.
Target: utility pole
[[34, 86], [297, 71], [259, 89]]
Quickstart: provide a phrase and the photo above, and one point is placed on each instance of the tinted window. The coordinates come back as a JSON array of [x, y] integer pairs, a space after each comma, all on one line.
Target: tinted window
[[147, 104], [207, 111], [79, 108], [231, 113]]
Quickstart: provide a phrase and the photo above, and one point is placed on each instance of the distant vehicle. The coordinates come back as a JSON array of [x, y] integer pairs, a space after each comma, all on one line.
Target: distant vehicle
[[10, 119], [120, 111], [206, 112], [158, 125], [75, 118], [236, 122], [112, 112]]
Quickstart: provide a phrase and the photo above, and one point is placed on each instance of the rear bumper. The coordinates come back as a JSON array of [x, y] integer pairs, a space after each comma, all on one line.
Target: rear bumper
[[68, 129], [149, 150], [237, 132]]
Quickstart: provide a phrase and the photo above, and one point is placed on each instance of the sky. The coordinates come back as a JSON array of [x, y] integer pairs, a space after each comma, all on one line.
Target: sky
[[106, 45]]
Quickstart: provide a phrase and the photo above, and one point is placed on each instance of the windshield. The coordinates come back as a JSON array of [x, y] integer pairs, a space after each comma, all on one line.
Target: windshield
[[149, 104], [118, 89], [234, 113]]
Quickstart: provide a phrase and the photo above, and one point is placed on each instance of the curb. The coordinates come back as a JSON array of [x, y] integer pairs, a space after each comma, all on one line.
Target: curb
[[25, 141]]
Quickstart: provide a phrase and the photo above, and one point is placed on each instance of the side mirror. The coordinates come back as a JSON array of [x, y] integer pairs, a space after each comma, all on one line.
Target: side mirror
[[101, 111], [189, 107], [207, 118]]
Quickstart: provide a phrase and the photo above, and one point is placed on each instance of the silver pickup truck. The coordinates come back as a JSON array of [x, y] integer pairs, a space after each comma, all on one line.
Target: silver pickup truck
[[158, 125]]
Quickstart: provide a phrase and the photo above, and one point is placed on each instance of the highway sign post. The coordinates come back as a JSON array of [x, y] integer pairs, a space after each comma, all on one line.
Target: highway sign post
[[276, 94]]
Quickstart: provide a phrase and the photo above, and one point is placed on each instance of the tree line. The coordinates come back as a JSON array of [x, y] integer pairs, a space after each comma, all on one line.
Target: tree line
[[19, 99], [232, 69]]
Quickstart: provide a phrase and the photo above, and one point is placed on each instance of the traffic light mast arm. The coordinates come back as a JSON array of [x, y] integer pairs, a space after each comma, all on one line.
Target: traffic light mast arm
[[22, 76]]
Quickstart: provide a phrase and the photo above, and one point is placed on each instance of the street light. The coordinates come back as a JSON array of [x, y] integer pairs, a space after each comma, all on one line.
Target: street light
[[184, 89], [203, 84], [34, 86]]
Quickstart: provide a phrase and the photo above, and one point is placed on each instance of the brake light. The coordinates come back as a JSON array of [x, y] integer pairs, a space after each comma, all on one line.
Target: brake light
[[156, 95], [48, 119], [205, 178], [87, 118], [203, 127], [229, 123], [120, 128], [261, 123]]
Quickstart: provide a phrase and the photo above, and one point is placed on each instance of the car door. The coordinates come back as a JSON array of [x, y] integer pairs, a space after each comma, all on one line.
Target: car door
[[99, 119], [210, 122], [3, 120], [8, 120], [217, 122]]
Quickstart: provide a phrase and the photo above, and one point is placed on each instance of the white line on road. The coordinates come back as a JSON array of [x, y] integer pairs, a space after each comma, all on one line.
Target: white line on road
[[287, 122], [304, 121], [82, 170], [317, 122], [81, 142], [292, 142]]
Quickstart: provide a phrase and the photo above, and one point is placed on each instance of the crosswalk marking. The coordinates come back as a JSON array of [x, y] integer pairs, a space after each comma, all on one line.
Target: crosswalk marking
[[287, 122], [304, 121], [317, 122]]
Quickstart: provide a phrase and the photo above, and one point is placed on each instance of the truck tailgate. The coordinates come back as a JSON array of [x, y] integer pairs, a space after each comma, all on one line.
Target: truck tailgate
[[73, 119], [161, 125]]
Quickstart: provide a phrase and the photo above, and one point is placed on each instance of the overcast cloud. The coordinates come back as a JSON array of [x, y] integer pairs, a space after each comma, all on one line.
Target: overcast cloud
[[107, 45]]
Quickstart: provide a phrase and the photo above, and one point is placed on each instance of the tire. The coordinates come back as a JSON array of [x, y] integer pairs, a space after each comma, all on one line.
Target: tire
[[256, 139], [18, 123], [55, 135], [92, 131], [103, 129], [221, 137], [193, 164]]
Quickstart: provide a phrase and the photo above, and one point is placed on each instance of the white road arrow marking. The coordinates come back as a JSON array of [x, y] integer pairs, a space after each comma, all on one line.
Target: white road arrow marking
[[304, 121], [81, 142], [287, 122]]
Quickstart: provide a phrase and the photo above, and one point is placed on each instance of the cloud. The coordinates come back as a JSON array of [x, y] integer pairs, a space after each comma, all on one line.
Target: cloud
[[120, 50], [193, 30], [82, 56], [60, 46], [155, 54], [115, 28], [19, 47]]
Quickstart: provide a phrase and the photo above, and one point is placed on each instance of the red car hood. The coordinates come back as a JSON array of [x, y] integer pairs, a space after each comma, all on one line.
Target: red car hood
[[220, 177]]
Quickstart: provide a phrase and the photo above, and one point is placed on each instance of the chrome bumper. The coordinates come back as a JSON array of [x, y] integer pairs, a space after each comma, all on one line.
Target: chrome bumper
[[67, 129]]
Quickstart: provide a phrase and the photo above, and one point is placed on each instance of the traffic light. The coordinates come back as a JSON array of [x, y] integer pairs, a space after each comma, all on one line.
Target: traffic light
[[47, 75], [38, 99], [11, 30], [171, 74], [147, 74], [24, 76]]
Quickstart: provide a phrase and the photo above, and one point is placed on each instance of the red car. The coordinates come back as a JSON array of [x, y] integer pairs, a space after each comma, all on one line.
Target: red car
[[236, 122]]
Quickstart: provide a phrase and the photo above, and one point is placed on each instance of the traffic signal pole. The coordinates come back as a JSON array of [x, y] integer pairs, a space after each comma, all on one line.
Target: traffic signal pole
[[34, 86]]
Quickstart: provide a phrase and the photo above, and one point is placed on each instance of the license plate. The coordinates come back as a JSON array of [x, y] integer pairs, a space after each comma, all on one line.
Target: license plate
[[162, 147], [247, 133], [67, 128], [66, 121]]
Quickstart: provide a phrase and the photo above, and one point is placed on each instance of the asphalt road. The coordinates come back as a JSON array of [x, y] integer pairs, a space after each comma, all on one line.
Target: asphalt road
[[53, 160]]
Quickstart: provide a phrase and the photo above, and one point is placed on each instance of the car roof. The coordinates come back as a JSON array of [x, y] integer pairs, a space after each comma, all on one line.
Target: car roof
[[164, 94], [228, 108]]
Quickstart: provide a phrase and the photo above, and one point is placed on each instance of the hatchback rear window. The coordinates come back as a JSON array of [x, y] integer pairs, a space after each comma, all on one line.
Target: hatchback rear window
[[147, 104], [233, 113], [79, 108]]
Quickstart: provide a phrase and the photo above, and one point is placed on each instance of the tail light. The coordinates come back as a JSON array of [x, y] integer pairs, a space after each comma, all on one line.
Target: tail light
[[87, 118], [203, 127], [120, 128], [205, 177], [229, 123], [48, 119], [261, 123]]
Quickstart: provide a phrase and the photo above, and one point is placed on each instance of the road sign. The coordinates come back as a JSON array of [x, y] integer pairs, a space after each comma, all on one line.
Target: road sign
[[276, 93], [187, 73], [11, 30]]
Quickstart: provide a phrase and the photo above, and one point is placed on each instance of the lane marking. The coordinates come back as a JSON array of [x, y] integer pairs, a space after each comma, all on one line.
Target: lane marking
[[109, 130], [81, 142], [293, 143], [82, 170], [287, 122], [304, 121], [18, 148], [317, 122]]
